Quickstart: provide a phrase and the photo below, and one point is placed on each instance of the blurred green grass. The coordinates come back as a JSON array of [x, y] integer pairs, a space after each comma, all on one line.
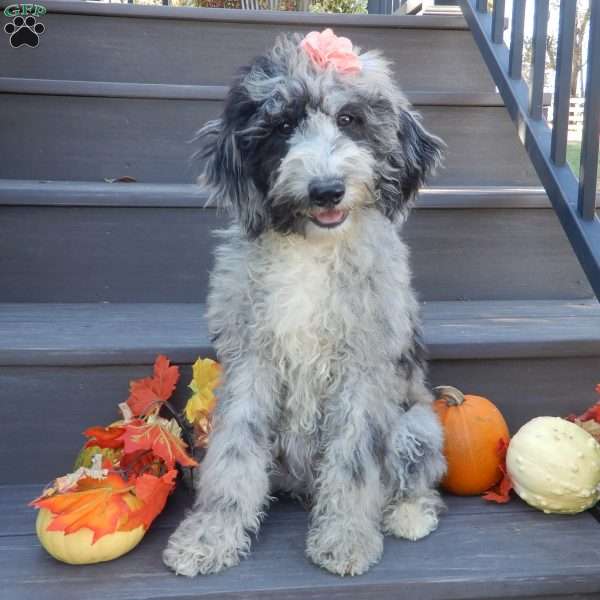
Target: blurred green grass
[[574, 155]]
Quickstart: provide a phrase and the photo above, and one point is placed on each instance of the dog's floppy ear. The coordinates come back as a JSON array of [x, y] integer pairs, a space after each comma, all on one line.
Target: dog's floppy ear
[[223, 172], [420, 153], [415, 153]]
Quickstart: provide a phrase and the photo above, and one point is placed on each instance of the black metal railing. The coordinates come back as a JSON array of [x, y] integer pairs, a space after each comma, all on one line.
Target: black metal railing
[[573, 198]]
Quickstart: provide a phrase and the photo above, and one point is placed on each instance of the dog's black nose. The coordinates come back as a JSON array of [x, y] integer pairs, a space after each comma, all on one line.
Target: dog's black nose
[[323, 192]]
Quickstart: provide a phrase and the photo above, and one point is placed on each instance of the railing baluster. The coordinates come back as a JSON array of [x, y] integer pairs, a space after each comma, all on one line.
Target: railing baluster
[[515, 59], [538, 61], [498, 21], [588, 170], [482, 6], [562, 83], [572, 200]]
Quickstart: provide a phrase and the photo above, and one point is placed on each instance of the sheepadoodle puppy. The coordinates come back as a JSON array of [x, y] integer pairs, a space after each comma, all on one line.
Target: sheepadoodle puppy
[[319, 156]]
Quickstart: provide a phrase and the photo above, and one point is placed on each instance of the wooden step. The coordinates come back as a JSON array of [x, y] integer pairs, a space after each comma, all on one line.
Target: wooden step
[[480, 550], [75, 360], [85, 137], [149, 44], [91, 242]]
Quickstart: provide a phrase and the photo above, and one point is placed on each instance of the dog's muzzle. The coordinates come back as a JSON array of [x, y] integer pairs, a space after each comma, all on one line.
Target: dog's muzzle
[[325, 195]]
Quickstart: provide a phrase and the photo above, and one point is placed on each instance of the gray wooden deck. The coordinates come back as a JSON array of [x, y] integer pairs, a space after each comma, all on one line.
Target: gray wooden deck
[[480, 551]]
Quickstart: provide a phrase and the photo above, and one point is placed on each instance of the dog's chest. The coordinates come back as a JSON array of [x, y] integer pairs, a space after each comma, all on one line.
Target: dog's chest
[[304, 309], [306, 314]]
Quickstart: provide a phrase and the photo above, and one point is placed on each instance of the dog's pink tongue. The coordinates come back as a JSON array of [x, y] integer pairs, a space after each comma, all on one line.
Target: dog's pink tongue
[[328, 217]]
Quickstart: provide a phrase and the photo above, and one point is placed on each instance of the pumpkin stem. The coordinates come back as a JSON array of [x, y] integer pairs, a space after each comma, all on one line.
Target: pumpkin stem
[[453, 396]]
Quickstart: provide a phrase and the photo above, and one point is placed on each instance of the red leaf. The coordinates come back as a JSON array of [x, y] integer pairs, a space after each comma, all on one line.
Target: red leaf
[[155, 436], [591, 414], [148, 394], [140, 462], [104, 437], [500, 493], [153, 492]]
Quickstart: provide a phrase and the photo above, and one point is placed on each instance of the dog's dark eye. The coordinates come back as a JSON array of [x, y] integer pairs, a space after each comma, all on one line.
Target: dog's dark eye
[[285, 128], [344, 119]]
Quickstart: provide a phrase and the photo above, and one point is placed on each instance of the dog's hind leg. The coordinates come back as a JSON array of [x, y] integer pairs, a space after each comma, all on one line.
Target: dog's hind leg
[[233, 486], [416, 463]]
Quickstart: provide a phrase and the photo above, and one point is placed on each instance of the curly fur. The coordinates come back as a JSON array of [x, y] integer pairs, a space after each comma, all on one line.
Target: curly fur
[[317, 328]]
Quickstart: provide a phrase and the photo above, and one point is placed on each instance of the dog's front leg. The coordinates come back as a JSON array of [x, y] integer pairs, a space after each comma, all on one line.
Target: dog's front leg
[[345, 536], [233, 485]]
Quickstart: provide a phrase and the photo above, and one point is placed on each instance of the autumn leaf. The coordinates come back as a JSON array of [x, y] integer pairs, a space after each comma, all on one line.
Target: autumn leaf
[[148, 394], [137, 463], [202, 430], [500, 493], [153, 492], [162, 436], [109, 504], [97, 504], [97, 467], [206, 377], [104, 437], [591, 414]]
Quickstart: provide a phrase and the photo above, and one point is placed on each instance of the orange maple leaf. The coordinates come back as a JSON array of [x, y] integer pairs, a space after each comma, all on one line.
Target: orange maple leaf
[[97, 504], [104, 437], [500, 493], [153, 492], [156, 436], [147, 395], [109, 504]]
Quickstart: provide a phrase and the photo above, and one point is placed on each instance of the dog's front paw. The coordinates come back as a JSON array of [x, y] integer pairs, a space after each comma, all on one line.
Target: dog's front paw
[[344, 551], [415, 518], [203, 544]]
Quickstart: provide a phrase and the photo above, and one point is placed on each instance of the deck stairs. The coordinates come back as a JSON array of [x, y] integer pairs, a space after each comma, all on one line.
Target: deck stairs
[[98, 276]]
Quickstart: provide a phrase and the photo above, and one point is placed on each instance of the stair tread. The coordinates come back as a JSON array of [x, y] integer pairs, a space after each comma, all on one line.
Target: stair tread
[[451, 22], [479, 550], [31, 192], [105, 334], [172, 91], [25, 192]]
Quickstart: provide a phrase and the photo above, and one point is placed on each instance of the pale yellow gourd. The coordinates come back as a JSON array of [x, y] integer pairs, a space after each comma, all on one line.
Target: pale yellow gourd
[[77, 548], [554, 465]]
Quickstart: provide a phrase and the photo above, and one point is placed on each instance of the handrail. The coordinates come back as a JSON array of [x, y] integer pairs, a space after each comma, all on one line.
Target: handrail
[[574, 200]]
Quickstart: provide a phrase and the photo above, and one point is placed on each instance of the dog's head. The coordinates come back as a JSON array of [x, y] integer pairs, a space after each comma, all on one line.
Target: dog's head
[[304, 147]]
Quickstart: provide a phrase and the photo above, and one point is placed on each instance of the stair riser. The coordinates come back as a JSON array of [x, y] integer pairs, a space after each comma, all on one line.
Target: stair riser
[[89, 138], [209, 52], [91, 254], [46, 408]]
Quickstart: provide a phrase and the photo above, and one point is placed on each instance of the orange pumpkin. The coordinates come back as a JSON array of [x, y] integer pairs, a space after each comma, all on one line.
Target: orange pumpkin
[[473, 428]]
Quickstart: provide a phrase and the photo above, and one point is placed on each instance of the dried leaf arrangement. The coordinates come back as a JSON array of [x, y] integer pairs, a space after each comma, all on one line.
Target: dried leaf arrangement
[[126, 471]]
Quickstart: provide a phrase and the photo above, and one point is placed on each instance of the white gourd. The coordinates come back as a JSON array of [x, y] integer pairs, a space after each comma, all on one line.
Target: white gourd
[[554, 465]]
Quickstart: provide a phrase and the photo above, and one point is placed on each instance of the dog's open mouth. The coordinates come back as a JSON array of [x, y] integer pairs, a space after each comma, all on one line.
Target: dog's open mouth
[[329, 218]]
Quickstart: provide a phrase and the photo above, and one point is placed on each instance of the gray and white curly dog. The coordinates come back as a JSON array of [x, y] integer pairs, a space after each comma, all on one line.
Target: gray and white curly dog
[[314, 318]]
